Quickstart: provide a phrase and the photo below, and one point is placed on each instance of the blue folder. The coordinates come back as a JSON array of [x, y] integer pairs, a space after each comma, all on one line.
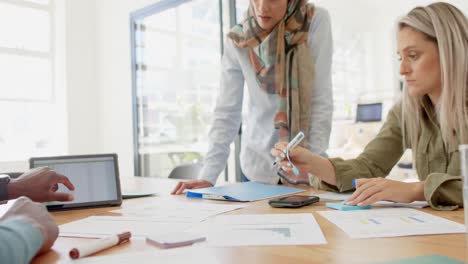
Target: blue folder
[[242, 192]]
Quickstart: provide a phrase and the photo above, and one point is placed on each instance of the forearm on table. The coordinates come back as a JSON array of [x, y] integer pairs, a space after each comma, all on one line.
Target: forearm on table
[[417, 188], [323, 169]]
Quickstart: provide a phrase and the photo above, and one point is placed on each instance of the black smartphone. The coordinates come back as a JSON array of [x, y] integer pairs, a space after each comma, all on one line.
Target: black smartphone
[[293, 201]]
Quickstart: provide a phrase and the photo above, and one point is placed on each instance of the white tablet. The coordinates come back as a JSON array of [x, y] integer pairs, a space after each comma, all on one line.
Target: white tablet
[[95, 177]]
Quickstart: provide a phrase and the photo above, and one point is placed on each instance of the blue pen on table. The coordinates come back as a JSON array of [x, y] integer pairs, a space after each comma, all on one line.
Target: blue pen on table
[[292, 144]]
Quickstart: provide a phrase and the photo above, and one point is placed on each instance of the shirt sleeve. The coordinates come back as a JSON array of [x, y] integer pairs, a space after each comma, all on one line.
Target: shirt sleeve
[[443, 191], [227, 115], [19, 241], [377, 159], [321, 44]]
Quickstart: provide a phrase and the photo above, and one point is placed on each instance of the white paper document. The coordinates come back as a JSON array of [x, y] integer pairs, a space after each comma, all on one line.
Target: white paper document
[[6, 206], [264, 230], [159, 217], [102, 226], [343, 196], [334, 196], [188, 210], [416, 204], [391, 222]]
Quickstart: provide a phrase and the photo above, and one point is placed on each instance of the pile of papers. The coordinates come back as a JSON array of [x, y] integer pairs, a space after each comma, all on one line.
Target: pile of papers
[[161, 216]]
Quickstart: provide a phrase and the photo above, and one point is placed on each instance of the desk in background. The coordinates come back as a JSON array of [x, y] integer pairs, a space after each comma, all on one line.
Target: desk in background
[[340, 248]]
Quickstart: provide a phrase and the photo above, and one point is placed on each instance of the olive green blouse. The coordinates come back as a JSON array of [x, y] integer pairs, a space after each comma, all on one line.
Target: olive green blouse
[[438, 167]]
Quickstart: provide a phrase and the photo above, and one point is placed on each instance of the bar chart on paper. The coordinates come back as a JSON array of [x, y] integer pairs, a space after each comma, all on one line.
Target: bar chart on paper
[[391, 222], [267, 233], [265, 229]]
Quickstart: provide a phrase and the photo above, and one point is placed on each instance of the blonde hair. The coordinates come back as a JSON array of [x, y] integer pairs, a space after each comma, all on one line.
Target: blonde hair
[[448, 28]]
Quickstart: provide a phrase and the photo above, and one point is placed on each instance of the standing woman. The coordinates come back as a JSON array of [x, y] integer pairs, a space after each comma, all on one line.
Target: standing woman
[[431, 119], [283, 52]]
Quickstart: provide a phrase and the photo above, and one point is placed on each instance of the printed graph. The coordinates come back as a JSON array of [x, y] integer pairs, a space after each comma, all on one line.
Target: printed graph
[[273, 231], [404, 219]]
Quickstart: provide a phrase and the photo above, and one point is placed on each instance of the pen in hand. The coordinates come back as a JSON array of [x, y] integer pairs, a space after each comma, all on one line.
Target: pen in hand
[[99, 244], [292, 144]]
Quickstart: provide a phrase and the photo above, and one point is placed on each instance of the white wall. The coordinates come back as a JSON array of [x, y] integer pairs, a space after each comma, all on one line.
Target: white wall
[[114, 67], [84, 131], [99, 78]]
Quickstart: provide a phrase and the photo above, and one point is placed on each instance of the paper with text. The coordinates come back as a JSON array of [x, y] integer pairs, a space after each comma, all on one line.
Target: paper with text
[[195, 211], [343, 196], [159, 217], [102, 226], [391, 222], [264, 230]]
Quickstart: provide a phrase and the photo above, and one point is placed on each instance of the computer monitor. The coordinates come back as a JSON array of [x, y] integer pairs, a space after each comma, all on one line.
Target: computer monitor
[[369, 112]]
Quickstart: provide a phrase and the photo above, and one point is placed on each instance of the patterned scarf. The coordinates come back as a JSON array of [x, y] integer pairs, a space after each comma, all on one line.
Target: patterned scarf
[[283, 64]]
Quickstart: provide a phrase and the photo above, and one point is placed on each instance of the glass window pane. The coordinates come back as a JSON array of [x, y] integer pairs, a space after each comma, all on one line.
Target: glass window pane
[[165, 55], [25, 78], [165, 20], [24, 28], [241, 8], [177, 90], [200, 19]]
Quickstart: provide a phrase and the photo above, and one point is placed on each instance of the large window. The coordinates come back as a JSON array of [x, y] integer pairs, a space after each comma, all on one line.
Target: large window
[[177, 47], [31, 104]]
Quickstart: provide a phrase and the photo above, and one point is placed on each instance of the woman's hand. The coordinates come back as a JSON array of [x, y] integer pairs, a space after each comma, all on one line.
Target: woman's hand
[[306, 162], [193, 184], [300, 156], [369, 191]]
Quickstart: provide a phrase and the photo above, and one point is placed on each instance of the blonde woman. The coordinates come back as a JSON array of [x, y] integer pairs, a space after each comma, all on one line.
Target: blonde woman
[[431, 119], [282, 51]]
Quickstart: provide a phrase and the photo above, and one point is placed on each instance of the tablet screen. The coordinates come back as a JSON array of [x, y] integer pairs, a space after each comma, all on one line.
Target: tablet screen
[[95, 178]]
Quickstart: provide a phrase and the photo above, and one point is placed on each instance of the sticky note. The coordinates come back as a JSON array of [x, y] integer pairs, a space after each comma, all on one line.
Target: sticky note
[[344, 207], [432, 259]]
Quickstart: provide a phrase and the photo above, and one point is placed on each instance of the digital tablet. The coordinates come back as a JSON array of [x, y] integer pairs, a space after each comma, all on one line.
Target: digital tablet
[[95, 177]]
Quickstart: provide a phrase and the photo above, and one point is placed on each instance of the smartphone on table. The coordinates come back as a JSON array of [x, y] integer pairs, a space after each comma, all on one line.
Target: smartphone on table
[[293, 201]]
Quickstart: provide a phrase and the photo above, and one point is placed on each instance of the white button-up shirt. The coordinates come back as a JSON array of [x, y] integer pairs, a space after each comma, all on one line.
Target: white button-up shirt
[[259, 134]]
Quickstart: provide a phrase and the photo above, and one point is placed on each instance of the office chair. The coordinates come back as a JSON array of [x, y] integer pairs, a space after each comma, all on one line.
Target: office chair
[[185, 171]]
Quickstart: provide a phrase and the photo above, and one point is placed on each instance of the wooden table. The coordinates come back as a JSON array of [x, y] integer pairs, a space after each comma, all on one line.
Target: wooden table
[[339, 249]]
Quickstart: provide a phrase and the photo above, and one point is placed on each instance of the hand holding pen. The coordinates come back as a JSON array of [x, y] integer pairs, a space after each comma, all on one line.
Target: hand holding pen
[[294, 159], [291, 145]]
